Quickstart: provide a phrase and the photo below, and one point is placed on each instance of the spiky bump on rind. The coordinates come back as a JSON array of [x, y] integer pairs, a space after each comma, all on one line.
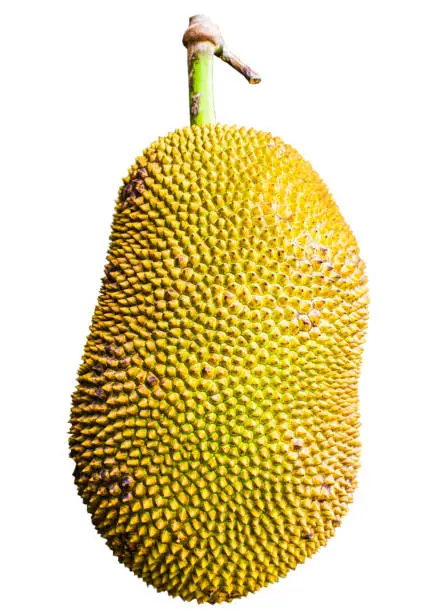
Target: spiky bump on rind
[[215, 422]]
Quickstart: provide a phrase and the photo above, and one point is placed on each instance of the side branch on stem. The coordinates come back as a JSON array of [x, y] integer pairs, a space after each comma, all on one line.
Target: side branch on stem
[[203, 40]]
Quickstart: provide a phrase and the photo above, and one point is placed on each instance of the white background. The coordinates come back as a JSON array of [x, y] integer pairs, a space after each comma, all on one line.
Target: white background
[[86, 86]]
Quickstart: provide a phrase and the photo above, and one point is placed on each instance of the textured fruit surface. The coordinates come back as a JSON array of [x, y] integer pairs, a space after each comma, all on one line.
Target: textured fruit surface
[[215, 422]]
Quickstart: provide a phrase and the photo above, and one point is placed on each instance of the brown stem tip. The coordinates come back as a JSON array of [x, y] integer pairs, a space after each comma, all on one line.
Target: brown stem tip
[[202, 30]]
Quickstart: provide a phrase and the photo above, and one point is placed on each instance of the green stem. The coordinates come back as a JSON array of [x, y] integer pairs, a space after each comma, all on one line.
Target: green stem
[[201, 90], [203, 40]]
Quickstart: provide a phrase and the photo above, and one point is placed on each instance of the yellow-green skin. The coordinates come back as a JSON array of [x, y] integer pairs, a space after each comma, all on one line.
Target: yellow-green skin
[[215, 423]]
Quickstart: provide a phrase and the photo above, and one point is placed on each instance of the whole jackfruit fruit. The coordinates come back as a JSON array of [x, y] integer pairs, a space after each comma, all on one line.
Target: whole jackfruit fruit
[[215, 423]]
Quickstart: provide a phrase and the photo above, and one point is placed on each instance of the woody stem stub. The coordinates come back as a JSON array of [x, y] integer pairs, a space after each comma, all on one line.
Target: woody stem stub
[[203, 40]]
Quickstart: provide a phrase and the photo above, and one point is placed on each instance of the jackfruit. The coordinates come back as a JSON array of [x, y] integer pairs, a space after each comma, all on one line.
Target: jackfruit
[[215, 425]]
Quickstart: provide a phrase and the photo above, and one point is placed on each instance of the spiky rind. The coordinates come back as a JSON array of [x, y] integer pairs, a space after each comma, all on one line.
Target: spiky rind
[[215, 422]]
